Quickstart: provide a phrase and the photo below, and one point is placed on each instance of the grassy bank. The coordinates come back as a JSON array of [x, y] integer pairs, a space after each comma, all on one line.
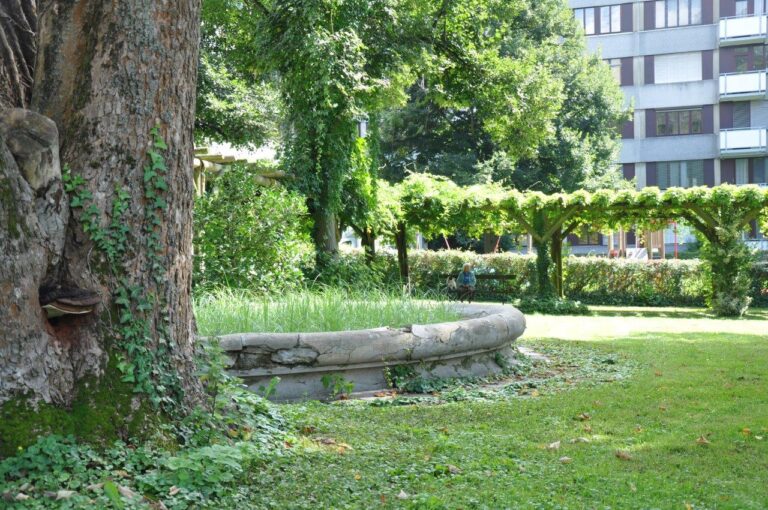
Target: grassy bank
[[229, 311], [689, 427]]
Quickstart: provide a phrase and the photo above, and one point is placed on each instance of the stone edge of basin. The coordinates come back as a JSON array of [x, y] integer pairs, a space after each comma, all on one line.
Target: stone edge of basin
[[485, 328]]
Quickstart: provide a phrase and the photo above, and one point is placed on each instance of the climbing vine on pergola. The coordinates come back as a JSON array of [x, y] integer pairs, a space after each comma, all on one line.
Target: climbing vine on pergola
[[721, 214]]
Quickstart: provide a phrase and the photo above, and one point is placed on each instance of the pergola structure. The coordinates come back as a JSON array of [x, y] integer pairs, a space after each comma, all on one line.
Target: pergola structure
[[207, 165]]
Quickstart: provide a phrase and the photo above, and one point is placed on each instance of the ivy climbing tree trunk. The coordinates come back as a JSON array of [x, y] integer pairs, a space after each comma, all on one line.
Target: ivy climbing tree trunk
[[118, 80]]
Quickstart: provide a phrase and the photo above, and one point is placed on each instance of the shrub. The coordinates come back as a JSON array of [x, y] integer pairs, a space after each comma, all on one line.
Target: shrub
[[552, 306], [251, 237], [591, 280]]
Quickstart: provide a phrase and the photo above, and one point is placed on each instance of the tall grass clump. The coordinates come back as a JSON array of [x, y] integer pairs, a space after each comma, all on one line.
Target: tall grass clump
[[228, 311]]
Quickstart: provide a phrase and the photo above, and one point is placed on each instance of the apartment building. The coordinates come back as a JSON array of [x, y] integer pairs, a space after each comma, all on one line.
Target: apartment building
[[695, 71]]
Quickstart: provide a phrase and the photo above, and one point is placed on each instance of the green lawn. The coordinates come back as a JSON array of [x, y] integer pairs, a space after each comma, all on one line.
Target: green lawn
[[690, 377]]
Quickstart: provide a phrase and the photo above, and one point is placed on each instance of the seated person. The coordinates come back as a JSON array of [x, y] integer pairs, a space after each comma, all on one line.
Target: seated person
[[466, 282]]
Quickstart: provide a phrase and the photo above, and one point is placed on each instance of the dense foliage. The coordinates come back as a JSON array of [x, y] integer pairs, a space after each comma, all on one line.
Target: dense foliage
[[250, 237], [448, 127], [720, 215]]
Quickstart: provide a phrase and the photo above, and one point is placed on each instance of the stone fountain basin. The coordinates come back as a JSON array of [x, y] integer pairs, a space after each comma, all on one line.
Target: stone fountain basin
[[480, 344]]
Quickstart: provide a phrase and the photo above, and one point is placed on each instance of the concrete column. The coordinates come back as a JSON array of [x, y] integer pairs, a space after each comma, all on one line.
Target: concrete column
[[640, 175]]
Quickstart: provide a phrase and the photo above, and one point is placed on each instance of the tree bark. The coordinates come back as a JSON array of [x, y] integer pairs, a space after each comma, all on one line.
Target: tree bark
[[107, 73], [368, 240], [18, 26], [401, 241], [557, 258], [324, 234]]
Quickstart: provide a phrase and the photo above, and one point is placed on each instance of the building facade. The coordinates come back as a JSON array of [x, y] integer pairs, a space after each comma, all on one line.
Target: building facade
[[695, 72]]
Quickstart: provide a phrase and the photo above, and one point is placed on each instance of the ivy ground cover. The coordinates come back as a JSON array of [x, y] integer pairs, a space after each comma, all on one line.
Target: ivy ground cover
[[681, 423]]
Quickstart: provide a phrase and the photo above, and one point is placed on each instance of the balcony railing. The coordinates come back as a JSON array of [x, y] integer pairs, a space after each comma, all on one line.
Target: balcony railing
[[743, 142], [743, 29], [743, 86]]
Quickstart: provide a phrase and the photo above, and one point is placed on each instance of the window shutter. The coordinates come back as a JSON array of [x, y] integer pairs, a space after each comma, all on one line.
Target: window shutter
[[707, 64], [627, 72], [707, 11], [651, 177], [741, 115], [726, 115], [649, 71], [707, 119], [709, 172], [628, 169], [650, 16], [650, 123], [626, 17], [728, 171]]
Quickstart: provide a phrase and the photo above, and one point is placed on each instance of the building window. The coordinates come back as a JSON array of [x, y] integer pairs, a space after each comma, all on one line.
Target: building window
[[742, 8], [684, 174], [677, 67], [750, 58], [760, 174], [586, 237], [678, 13], [615, 64], [678, 122], [742, 171], [741, 115], [609, 16]]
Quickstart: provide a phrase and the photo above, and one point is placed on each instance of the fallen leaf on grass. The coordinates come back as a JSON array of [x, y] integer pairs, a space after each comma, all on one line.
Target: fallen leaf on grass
[[565, 460], [622, 455], [553, 446], [746, 431], [535, 393], [662, 408], [358, 476], [657, 373], [126, 492], [21, 497], [759, 438], [173, 491], [588, 428], [326, 440], [308, 429], [95, 487], [63, 494], [632, 487], [402, 495], [579, 440], [453, 469], [702, 441], [383, 499], [638, 429], [688, 506], [583, 417]]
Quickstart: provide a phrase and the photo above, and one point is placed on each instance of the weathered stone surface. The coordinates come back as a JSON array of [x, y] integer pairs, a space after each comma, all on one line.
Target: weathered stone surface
[[470, 347], [298, 356]]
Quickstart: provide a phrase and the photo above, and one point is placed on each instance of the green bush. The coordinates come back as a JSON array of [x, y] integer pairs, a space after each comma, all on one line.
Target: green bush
[[591, 280], [250, 237], [597, 280], [552, 306]]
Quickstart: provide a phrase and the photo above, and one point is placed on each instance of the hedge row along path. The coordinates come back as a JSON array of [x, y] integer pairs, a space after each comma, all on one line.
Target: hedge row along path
[[721, 214]]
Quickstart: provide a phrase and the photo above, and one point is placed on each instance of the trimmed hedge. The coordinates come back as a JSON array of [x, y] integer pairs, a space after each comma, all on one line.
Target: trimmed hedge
[[591, 280]]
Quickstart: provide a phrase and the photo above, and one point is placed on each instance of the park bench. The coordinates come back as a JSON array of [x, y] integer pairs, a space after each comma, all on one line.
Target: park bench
[[485, 290]]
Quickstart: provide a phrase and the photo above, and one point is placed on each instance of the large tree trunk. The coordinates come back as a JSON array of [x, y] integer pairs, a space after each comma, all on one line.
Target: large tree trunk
[[368, 240], [107, 74], [401, 241], [18, 26], [324, 234]]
